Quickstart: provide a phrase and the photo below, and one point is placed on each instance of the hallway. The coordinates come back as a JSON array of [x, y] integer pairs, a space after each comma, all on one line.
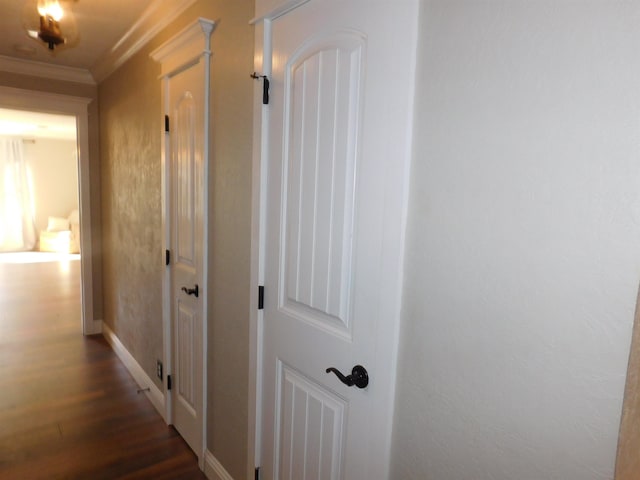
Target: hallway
[[68, 408]]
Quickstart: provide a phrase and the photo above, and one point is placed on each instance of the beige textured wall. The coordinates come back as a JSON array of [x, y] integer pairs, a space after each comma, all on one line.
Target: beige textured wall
[[628, 460], [130, 134], [88, 91], [131, 212]]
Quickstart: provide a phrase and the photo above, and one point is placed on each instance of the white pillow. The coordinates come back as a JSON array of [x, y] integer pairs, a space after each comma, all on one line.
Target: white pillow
[[57, 224]]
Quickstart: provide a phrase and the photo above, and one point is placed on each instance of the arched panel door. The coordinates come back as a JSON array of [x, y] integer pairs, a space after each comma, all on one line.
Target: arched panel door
[[339, 122]]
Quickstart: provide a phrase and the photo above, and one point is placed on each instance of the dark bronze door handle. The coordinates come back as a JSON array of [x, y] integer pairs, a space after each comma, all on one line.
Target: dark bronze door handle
[[191, 291], [359, 376]]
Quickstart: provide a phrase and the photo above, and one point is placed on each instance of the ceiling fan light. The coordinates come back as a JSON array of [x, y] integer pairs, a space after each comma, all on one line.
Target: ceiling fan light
[[50, 32], [51, 9]]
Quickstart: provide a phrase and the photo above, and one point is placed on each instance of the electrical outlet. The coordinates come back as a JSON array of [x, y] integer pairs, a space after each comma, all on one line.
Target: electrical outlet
[[159, 369]]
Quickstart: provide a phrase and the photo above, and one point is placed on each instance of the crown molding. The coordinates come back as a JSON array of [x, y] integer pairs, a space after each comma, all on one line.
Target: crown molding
[[156, 16], [46, 70]]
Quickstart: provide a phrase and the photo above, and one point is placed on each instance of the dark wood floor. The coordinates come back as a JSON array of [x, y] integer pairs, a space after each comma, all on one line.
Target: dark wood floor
[[68, 407]]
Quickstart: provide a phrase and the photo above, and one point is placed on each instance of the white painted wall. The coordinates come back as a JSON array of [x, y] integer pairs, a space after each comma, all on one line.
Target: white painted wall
[[54, 168], [523, 255]]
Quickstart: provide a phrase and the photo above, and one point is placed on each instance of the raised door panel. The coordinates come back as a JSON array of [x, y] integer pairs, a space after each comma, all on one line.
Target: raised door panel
[[322, 104], [310, 434], [184, 173], [186, 337]]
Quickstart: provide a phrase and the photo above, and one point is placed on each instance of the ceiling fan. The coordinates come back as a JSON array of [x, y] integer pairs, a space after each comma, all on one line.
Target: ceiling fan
[[56, 24]]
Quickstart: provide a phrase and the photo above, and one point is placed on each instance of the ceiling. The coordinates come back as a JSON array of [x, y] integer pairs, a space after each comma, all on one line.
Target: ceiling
[[93, 28]]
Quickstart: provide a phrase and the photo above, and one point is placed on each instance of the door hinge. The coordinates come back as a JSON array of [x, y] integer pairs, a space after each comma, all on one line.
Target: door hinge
[[166, 123], [265, 86], [257, 476], [169, 383], [260, 297], [167, 256]]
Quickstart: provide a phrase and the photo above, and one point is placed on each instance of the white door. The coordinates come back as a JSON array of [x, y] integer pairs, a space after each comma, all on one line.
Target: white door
[[339, 135], [186, 102]]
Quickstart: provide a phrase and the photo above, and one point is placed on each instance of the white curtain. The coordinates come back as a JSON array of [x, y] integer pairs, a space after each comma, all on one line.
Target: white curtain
[[17, 228]]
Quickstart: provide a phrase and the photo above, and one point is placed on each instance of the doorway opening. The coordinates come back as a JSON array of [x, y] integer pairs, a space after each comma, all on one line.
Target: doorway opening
[[39, 201], [76, 109]]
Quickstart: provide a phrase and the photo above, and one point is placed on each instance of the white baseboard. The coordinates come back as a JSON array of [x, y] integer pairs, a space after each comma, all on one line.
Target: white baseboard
[[213, 469], [139, 375]]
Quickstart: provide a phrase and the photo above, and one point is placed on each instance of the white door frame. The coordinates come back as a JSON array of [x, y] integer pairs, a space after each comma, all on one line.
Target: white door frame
[[180, 52], [35, 101], [262, 64]]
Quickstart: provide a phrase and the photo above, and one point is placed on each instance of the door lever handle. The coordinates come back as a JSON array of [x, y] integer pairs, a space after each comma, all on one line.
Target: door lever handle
[[195, 291], [359, 376]]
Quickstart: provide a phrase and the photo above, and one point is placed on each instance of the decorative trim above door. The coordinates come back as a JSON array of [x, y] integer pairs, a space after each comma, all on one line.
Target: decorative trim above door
[[184, 48]]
